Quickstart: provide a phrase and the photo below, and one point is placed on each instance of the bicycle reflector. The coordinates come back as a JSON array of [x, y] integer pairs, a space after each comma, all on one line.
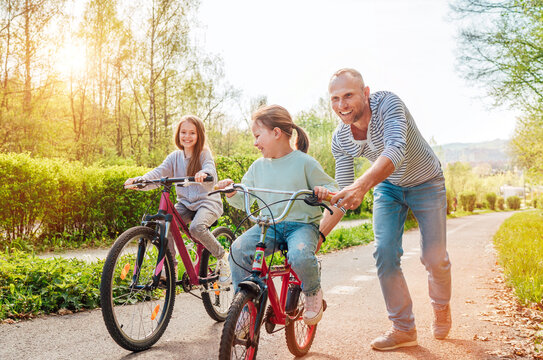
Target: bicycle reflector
[[155, 312], [125, 271]]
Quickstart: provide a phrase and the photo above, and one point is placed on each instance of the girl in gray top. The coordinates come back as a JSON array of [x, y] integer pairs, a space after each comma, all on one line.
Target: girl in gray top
[[193, 204]]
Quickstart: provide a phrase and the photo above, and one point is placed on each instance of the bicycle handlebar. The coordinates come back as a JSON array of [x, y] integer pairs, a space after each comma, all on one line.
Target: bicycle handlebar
[[311, 199], [182, 181]]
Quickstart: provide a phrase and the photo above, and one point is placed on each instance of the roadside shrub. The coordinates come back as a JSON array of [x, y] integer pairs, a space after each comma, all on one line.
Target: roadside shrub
[[449, 202], [491, 199], [31, 285], [50, 204], [479, 205], [500, 203], [234, 168], [467, 200], [513, 202]]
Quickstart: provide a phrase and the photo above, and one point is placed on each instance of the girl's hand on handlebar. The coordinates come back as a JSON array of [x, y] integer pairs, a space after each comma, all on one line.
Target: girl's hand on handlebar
[[321, 192], [128, 184], [200, 176], [224, 184]]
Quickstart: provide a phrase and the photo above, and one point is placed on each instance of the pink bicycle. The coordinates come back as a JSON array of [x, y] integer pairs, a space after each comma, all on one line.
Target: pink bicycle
[[249, 310], [138, 287]]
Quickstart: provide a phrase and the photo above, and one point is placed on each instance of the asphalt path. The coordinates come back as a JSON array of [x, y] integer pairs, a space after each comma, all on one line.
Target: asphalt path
[[356, 312]]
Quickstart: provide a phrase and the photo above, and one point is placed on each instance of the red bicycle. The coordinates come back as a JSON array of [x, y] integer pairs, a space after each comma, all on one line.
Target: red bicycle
[[241, 332], [138, 287]]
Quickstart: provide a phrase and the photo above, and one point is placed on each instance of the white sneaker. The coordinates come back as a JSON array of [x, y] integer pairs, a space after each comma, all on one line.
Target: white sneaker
[[223, 268], [313, 308]]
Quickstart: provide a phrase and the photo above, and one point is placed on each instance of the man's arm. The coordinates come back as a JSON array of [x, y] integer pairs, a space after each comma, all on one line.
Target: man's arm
[[351, 196]]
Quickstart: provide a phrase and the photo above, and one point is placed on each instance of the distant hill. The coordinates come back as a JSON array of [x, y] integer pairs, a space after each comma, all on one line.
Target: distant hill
[[493, 152]]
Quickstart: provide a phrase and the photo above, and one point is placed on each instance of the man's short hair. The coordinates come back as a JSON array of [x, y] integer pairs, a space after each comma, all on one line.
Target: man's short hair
[[350, 71]]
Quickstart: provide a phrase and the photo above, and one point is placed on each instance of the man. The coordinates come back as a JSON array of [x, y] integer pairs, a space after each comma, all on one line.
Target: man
[[406, 175]]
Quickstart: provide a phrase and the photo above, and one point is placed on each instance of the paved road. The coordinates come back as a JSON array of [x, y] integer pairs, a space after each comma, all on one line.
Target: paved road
[[355, 315]]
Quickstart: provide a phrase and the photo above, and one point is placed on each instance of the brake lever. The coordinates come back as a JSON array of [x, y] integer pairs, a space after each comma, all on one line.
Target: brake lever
[[226, 191], [313, 200]]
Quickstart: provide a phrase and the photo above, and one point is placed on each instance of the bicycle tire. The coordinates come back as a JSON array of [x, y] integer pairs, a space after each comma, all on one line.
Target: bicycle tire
[[136, 319], [238, 339], [216, 303], [298, 334]]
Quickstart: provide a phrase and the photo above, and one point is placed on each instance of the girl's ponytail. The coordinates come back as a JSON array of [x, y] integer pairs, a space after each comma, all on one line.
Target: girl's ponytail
[[273, 116], [302, 140]]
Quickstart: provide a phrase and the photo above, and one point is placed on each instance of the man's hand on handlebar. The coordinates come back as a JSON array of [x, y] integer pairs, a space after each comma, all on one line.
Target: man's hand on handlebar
[[223, 184]]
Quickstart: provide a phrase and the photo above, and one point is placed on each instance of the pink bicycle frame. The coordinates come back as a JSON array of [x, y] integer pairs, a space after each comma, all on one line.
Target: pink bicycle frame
[[278, 303], [176, 227]]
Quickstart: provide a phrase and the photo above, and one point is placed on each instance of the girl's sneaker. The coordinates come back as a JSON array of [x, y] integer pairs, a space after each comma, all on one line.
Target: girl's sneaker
[[313, 308], [223, 267]]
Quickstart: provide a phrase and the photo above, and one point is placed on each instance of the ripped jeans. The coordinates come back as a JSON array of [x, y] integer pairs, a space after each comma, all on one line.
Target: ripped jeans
[[302, 242]]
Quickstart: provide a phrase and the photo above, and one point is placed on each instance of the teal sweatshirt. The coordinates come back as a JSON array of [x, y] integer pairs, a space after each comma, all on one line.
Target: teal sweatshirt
[[292, 172]]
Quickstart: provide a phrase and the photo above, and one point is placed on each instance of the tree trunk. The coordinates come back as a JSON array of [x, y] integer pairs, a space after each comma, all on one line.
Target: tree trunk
[[27, 97]]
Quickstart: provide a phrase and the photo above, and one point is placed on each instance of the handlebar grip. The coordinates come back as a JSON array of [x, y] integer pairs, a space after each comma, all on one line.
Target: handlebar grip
[[207, 178], [329, 197]]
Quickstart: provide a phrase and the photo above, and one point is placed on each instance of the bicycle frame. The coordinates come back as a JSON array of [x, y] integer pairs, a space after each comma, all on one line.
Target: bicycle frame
[[260, 281], [164, 219]]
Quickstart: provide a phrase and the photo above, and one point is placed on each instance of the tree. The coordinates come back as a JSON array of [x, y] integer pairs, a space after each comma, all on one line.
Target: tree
[[502, 49]]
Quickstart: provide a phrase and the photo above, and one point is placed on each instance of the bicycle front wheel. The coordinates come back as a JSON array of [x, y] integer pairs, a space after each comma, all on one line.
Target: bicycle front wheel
[[135, 314], [299, 335], [215, 296], [238, 340]]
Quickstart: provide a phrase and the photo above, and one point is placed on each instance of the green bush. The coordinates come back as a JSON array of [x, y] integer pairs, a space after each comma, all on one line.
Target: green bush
[[234, 168], [31, 285], [500, 203], [513, 202], [467, 200], [491, 199], [450, 202], [50, 204]]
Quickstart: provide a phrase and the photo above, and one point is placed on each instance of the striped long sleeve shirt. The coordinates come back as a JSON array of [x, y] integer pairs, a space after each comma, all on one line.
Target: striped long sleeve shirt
[[392, 133]]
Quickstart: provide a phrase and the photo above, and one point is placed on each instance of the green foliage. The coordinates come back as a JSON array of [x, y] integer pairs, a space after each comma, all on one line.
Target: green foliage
[[343, 238], [467, 200], [30, 285], [233, 167], [450, 202], [513, 202], [519, 243], [51, 204], [500, 203], [501, 48], [491, 199]]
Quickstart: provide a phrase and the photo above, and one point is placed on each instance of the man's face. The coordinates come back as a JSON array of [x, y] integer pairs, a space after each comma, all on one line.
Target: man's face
[[349, 98]]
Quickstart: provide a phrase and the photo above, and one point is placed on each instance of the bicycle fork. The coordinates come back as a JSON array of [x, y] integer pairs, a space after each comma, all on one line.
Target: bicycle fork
[[163, 221]]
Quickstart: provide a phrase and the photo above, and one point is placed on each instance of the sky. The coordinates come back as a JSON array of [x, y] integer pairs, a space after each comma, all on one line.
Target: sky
[[288, 49]]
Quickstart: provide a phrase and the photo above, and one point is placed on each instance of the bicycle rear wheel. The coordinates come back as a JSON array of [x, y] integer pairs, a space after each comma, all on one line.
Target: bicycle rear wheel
[[216, 302], [238, 340], [136, 315], [298, 334]]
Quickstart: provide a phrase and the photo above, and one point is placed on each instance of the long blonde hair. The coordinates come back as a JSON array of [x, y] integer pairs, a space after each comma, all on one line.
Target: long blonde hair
[[275, 116], [194, 163]]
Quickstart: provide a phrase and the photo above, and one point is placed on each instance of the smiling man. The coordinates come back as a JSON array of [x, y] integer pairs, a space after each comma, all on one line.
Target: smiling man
[[406, 175]]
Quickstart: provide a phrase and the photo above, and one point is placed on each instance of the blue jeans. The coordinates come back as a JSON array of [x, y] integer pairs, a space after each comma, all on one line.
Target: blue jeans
[[429, 205], [302, 242]]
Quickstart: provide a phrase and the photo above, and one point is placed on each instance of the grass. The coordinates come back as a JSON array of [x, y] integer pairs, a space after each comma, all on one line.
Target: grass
[[343, 238], [519, 243]]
